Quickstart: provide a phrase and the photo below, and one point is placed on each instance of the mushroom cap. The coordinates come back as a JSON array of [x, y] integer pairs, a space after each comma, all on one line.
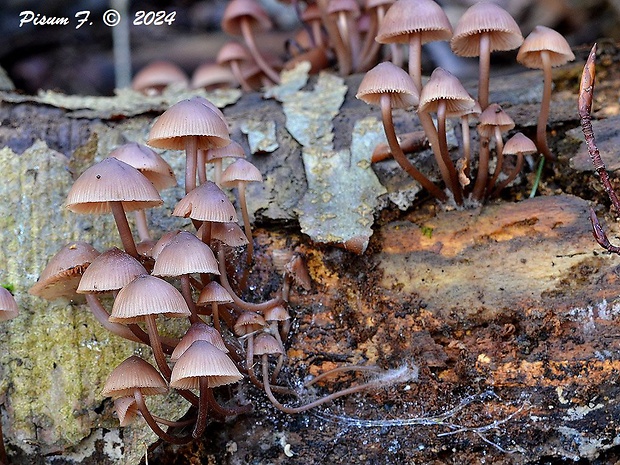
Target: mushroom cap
[[233, 51], [126, 410], [546, 39], [311, 13], [110, 271], [111, 180], [188, 118], [185, 254], [163, 242], [206, 203], [266, 344], [277, 313], [238, 10], [8, 305], [147, 295], [519, 144], [198, 332], [229, 233], [240, 170], [213, 75], [214, 292], [443, 86], [480, 18], [343, 6], [61, 276], [157, 75], [203, 359], [407, 17], [387, 78], [494, 116], [248, 322], [232, 150], [148, 162], [134, 373]]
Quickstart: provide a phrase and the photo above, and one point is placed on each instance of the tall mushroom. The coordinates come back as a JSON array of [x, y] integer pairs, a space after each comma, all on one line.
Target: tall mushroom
[[485, 28], [544, 49]]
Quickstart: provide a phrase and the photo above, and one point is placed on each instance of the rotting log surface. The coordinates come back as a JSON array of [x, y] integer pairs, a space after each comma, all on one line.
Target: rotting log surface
[[508, 312]]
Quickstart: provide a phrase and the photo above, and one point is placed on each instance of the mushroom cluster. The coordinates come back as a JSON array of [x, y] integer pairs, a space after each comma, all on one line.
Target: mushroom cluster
[[181, 275]]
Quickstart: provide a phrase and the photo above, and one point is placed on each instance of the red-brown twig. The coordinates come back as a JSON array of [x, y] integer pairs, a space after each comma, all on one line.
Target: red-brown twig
[[586, 92]]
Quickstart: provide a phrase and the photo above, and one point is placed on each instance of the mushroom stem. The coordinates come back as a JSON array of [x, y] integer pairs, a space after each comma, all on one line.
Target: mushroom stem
[[215, 314], [543, 116], [218, 172], [226, 411], [153, 424], [202, 166], [186, 290], [445, 155], [466, 143], [499, 154], [236, 70], [409, 142], [513, 174], [237, 300], [399, 156], [142, 225], [246, 221], [485, 65], [342, 369], [246, 30], [191, 158], [155, 343], [415, 59], [483, 169], [123, 228], [102, 316], [203, 407]]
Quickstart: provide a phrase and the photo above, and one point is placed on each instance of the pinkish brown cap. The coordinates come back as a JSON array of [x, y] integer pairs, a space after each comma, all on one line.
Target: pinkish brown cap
[[163, 242], [407, 17], [147, 295], [248, 322], [232, 150], [494, 116], [229, 233], [108, 181], [387, 78], [126, 410], [110, 271], [206, 203], [251, 10], [148, 162], [134, 373], [544, 39], [62, 275], [185, 254], [213, 76], [445, 87], [8, 305], [240, 170], [519, 144], [311, 13], [277, 313], [203, 359], [188, 118], [345, 6], [233, 51], [198, 332], [156, 76], [485, 17], [266, 344], [214, 292]]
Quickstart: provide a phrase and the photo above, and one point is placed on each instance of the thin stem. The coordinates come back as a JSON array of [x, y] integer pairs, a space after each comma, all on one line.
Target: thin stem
[[399, 156], [513, 174], [466, 144], [485, 65], [101, 315], [191, 157], [499, 155], [236, 70], [246, 221], [218, 172], [142, 225], [246, 30], [202, 166], [155, 344], [186, 291], [215, 314], [203, 408], [123, 228], [483, 169], [342, 369], [226, 411], [445, 154], [545, 106], [409, 142], [415, 59], [153, 424]]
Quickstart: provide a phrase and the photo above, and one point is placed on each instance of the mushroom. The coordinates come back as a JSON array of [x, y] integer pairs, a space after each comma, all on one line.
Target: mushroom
[[376, 10], [113, 186], [518, 145], [347, 44], [390, 87], [198, 332], [544, 49], [485, 28], [214, 294], [234, 54], [8, 311], [211, 76], [156, 76], [189, 125], [243, 17]]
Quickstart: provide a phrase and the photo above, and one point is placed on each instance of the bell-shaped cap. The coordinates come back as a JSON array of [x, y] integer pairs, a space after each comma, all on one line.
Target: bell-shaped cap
[[147, 295], [126, 410], [229, 233], [213, 76], [188, 118], [443, 86], [214, 292], [240, 170], [233, 51], [156, 76], [148, 162], [494, 116], [206, 203], [407, 17], [244, 10], [203, 359], [387, 78], [110, 271], [111, 180], [198, 332], [61, 276], [185, 254], [519, 144], [266, 344], [248, 322], [8, 305], [134, 373], [232, 150], [544, 39], [485, 18]]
